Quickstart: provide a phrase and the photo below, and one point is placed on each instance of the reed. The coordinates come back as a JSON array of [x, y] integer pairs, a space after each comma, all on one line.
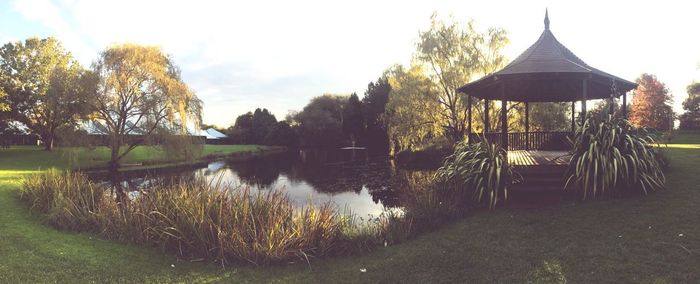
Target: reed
[[193, 219], [226, 224]]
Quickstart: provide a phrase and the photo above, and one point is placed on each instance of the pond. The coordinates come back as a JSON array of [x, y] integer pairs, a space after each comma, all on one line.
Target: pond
[[364, 183]]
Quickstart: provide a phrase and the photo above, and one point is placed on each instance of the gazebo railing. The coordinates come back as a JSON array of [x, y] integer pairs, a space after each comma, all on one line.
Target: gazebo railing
[[540, 140]]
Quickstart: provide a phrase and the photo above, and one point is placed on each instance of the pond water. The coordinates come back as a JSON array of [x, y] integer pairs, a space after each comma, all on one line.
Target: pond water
[[352, 179]]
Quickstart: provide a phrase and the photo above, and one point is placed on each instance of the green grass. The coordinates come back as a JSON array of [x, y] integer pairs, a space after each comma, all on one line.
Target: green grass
[[613, 241], [32, 157]]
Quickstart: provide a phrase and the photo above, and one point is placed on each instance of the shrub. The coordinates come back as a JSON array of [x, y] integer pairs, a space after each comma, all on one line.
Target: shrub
[[480, 169], [610, 155]]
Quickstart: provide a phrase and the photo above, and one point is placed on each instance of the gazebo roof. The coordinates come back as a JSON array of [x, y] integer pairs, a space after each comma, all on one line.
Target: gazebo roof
[[546, 72]]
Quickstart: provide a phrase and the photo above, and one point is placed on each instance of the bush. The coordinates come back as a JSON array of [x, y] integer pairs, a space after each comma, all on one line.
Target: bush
[[609, 155], [479, 169]]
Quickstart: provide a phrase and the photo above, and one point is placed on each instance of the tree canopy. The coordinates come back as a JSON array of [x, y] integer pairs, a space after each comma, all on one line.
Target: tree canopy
[[373, 106], [424, 101], [691, 118], [550, 116], [651, 104], [451, 55], [139, 88], [411, 113], [320, 123], [252, 127], [353, 121], [43, 87]]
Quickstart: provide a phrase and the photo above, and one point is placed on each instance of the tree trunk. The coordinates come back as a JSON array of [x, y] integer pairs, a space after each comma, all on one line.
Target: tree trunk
[[48, 143], [114, 158]]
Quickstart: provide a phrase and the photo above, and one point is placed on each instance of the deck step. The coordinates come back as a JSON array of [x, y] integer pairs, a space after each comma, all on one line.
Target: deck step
[[541, 178]]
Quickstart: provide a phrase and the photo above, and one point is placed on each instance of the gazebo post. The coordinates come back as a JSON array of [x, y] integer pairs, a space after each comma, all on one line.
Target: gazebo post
[[469, 119], [584, 98], [573, 116], [486, 116], [624, 105], [527, 126], [504, 119]]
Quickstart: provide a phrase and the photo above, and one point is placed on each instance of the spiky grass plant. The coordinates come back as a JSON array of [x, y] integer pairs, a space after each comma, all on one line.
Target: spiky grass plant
[[609, 156], [480, 169]]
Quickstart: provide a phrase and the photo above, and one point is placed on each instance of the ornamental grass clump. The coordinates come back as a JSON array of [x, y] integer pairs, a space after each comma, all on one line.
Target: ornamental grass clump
[[610, 156], [479, 169]]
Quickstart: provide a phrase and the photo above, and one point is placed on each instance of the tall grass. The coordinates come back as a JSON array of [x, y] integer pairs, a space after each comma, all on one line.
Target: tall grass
[[74, 207], [610, 156], [226, 224], [193, 219]]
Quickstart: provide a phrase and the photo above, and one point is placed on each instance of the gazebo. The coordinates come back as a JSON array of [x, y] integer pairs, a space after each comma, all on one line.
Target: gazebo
[[546, 72]]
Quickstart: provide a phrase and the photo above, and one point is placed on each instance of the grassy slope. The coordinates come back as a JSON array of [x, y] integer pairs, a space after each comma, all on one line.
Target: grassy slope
[[600, 241]]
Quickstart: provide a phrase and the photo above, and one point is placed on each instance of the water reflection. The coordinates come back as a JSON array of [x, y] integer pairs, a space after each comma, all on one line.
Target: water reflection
[[355, 180]]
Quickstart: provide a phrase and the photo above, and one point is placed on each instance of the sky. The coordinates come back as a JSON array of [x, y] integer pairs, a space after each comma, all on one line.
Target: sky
[[241, 55]]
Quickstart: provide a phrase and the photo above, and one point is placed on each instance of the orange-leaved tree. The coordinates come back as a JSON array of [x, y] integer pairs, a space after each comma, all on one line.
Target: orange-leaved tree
[[651, 104]]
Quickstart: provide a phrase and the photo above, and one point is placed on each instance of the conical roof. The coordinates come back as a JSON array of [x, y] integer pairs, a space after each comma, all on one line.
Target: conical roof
[[546, 72]]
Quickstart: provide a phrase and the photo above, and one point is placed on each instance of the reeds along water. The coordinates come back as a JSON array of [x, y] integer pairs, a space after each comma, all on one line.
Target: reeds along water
[[196, 219], [222, 223]]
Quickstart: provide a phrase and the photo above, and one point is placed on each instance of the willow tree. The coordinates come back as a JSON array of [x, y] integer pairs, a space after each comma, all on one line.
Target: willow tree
[[43, 85], [410, 113], [139, 90], [452, 55]]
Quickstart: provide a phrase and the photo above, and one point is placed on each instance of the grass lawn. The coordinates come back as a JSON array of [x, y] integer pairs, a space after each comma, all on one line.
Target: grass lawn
[[655, 238], [32, 157]]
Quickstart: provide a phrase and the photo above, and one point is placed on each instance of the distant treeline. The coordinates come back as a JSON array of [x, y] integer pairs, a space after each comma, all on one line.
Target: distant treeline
[[328, 121]]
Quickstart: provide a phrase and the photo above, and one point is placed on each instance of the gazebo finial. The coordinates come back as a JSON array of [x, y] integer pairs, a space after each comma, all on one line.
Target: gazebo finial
[[546, 19]]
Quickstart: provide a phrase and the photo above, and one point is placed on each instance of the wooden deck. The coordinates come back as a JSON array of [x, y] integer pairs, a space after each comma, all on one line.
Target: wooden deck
[[541, 171], [523, 158]]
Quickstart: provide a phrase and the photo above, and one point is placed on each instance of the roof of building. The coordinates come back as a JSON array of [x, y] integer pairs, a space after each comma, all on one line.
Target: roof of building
[[547, 72], [212, 133]]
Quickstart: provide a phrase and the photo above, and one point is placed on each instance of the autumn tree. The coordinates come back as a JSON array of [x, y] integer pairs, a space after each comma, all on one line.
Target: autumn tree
[[140, 87], [451, 56], [690, 119], [651, 104], [353, 122], [45, 87]]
